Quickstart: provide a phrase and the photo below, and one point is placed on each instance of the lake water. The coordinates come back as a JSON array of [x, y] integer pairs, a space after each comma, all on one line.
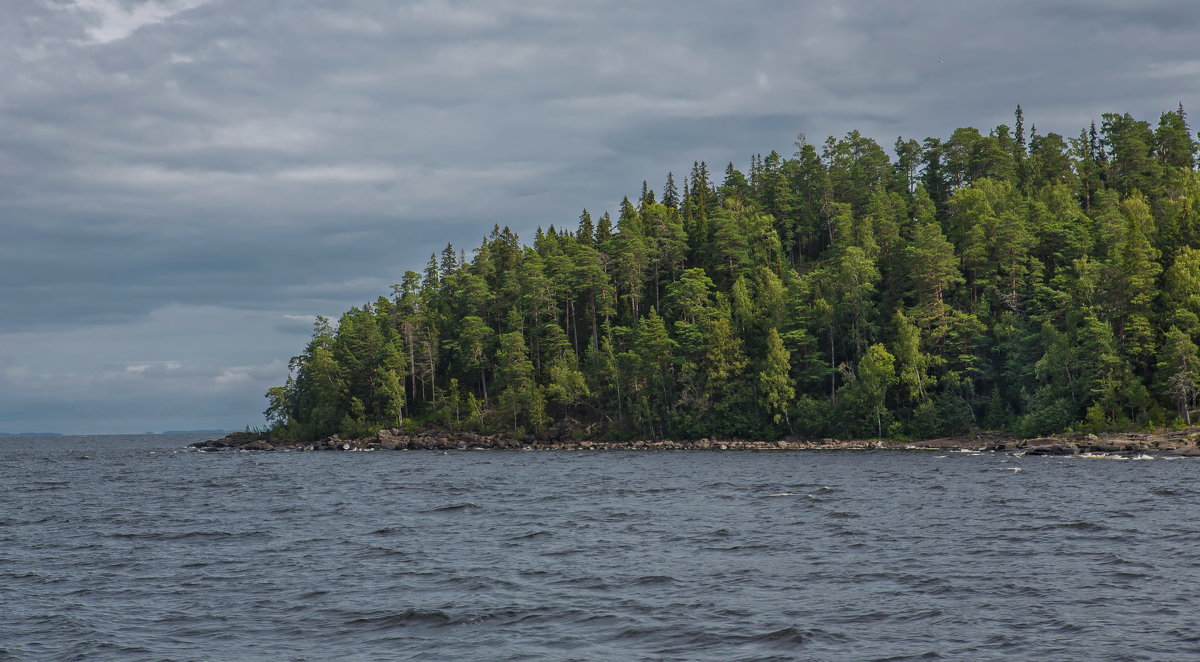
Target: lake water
[[134, 548]]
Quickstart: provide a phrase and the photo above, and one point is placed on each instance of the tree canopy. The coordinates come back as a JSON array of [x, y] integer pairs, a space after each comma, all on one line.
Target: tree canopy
[[980, 281]]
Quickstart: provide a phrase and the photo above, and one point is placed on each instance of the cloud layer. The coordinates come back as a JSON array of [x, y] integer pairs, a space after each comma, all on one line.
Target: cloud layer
[[182, 180]]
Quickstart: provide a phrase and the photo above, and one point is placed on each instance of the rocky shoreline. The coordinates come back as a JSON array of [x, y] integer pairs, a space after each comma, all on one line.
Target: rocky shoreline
[[1169, 442]]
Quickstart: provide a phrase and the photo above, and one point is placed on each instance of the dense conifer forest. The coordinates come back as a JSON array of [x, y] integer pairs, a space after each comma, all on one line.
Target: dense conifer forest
[[1003, 280]]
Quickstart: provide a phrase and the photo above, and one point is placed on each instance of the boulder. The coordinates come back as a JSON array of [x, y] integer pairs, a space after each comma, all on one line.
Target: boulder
[[1052, 449], [1104, 447], [1040, 442]]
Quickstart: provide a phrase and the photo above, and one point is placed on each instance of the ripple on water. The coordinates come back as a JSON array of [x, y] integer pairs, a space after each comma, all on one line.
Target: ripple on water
[[589, 556], [466, 506]]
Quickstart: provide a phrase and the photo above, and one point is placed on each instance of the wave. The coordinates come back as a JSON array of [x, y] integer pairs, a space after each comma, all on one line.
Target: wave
[[186, 535], [650, 580], [1074, 526], [402, 619], [532, 535], [839, 514], [454, 507]]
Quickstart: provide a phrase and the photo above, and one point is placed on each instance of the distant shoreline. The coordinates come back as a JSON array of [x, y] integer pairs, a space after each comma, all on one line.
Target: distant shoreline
[[110, 434], [1173, 442]]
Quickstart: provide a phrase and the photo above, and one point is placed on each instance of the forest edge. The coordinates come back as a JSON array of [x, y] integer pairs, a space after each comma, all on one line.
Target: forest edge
[[1172, 442]]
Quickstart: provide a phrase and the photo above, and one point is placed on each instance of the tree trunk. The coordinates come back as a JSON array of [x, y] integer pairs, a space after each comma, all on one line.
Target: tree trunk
[[832, 369], [574, 325], [595, 329]]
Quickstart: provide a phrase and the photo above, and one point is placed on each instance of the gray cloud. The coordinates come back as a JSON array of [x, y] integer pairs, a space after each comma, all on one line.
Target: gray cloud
[[251, 160]]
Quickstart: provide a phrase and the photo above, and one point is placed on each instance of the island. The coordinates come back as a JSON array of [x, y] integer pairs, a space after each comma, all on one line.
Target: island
[[992, 288]]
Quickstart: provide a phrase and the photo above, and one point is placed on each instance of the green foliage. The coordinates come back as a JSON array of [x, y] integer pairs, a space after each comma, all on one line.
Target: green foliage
[[775, 382], [1179, 372], [1028, 283], [863, 397]]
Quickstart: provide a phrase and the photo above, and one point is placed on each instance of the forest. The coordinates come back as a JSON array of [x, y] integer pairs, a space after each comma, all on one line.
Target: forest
[[1005, 280]]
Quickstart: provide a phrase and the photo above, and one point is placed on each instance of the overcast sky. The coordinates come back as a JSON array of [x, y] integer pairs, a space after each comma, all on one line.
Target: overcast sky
[[185, 183]]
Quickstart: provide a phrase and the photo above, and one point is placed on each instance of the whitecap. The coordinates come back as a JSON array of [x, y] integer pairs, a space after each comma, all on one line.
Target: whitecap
[[1099, 456]]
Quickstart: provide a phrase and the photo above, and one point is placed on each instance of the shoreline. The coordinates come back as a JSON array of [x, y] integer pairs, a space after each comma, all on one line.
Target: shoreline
[[1173, 442]]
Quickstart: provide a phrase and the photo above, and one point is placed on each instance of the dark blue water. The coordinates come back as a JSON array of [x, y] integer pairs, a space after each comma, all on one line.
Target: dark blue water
[[132, 548]]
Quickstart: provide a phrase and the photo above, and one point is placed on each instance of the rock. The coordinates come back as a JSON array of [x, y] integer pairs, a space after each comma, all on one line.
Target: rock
[[1104, 447], [1134, 447], [1052, 449]]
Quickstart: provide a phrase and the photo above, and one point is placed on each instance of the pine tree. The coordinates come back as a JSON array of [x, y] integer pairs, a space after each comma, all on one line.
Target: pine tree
[[474, 336], [670, 193], [586, 231], [1173, 142], [774, 380], [1179, 372], [1138, 269], [514, 376]]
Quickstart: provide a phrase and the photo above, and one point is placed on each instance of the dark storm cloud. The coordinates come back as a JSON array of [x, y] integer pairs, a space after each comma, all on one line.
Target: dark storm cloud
[[201, 175]]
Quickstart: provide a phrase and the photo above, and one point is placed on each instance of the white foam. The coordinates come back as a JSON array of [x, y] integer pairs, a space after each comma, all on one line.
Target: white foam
[[1099, 456]]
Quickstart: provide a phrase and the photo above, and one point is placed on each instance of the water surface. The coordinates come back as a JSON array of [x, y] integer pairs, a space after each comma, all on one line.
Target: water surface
[[134, 548]]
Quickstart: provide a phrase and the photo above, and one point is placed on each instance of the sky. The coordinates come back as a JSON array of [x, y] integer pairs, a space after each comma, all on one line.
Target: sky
[[185, 184]]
